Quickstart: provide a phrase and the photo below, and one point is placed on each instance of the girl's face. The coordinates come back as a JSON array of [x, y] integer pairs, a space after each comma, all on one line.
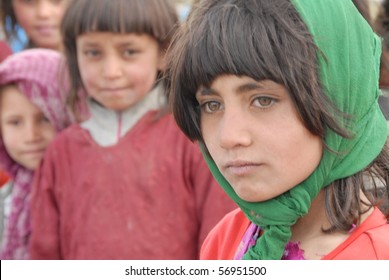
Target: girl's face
[[118, 70], [25, 130], [255, 136], [41, 19]]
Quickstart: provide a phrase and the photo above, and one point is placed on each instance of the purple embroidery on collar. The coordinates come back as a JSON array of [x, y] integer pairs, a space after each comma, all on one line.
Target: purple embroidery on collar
[[247, 241], [293, 252], [292, 249]]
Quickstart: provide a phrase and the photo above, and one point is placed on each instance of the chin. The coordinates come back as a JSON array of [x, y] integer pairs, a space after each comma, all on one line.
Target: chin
[[247, 196], [30, 166], [118, 107], [252, 195]]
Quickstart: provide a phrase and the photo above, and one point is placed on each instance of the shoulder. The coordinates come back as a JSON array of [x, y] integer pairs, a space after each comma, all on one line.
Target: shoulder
[[66, 139], [377, 236], [68, 131], [224, 239], [163, 122], [167, 130], [368, 242], [71, 132]]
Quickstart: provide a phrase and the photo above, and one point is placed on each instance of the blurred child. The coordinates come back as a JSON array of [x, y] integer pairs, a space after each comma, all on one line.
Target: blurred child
[[32, 111], [5, 50], [282, 95], [381, 26], [40, 19], [125, 183]]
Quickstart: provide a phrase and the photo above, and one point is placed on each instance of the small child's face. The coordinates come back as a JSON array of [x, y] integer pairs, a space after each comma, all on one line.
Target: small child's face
[[41, 19], [118, 70], [25, 130], [255, 136]]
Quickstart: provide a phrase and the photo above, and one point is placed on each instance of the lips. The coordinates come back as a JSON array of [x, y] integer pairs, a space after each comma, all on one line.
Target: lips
[[241, 167], [115, 90], [118, 89], [46, 29], [34, 152]]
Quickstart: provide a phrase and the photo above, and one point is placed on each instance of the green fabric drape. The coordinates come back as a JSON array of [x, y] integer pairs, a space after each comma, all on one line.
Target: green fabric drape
[[349, 72]]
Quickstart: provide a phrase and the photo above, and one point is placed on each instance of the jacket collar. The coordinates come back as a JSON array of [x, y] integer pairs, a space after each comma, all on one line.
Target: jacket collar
[[107, 126]]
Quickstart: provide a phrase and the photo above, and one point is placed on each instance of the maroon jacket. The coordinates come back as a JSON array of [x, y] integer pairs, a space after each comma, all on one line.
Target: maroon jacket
[[151, 196]]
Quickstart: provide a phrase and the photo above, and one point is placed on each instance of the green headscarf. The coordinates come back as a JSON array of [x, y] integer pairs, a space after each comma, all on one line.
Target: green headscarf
[[349, 72]]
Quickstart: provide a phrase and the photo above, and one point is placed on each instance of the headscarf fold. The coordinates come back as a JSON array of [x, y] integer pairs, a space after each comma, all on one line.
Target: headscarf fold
[[349, 71], [36, 72]]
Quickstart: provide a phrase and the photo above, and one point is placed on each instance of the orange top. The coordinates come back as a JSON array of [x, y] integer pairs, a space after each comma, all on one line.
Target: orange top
[[369, 241]]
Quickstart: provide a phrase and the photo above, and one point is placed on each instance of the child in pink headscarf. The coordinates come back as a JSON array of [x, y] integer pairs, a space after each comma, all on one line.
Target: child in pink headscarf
[[32, 111]]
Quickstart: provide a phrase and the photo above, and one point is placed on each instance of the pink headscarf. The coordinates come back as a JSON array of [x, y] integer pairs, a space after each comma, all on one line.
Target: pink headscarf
[[36, 72]]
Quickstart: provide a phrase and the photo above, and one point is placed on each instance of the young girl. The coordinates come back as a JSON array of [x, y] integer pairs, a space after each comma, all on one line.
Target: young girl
[[5, 51], [125, 183], [32, 111], [40, 20], [282, 95]]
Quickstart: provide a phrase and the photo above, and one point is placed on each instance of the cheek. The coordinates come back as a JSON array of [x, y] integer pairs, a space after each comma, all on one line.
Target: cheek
[[305, 153], [143, 71], [88, 76], [59, 13], [49, 134], [23, 17], [60, 10], [203, 128], [142, 77], [87, 83], [208, 131], [10, 139]]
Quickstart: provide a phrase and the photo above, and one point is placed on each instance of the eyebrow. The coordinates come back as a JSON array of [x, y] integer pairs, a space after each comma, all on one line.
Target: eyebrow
[[90, 44], [96, 44], [249, 87], [240, 89]]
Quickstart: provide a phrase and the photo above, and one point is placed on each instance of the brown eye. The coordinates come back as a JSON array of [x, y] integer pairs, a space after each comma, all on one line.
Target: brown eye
[[212, 106], [43, 119], [264, 102], [14, 122]]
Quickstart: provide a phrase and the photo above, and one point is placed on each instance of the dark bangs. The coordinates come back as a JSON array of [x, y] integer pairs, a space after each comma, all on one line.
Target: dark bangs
[[156, 18], [258, 39], [223, 42]]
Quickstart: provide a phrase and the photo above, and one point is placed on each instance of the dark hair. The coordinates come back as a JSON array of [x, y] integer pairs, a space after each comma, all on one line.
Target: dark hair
[[364, 9], [342, 198], [381, 26], [8, 19], [263, 40], [156, 18]]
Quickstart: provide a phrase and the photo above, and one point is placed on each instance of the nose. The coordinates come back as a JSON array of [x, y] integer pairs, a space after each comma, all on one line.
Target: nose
[[112, 68], [44, 9], [32, 132], [234, 130]]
